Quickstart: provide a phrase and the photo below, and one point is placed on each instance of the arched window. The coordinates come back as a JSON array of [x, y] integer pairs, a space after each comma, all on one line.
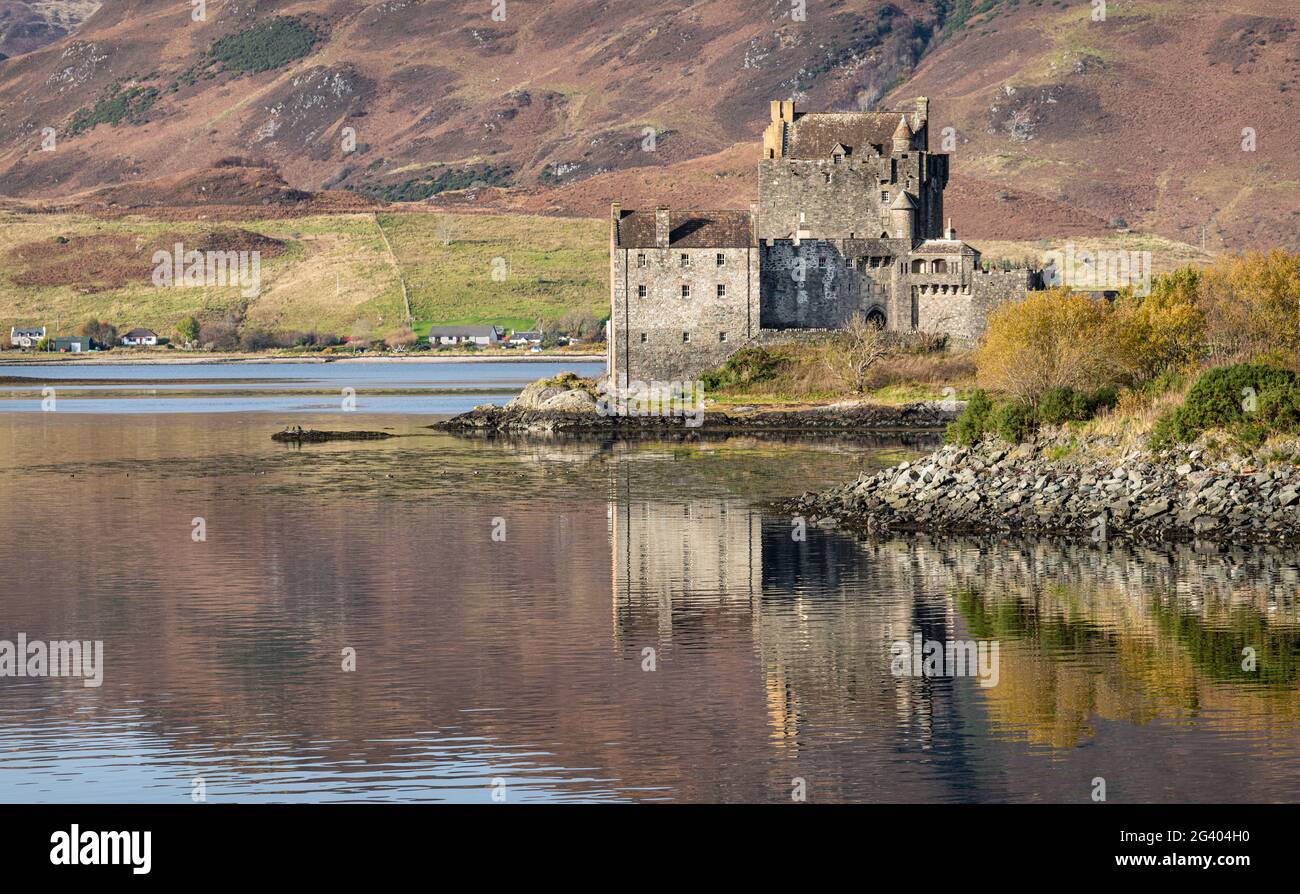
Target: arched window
[[918, 266], [939, 266]]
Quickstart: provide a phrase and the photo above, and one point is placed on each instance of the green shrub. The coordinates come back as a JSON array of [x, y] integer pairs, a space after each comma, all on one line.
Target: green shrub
[[1249, 400], [1166, 432], [1104, 398], [970, 426], [1058, 406], [419, 189], [266, 45], [1279, 409], [1222, 397], [118, 105], [1012, 421], [745, 367]]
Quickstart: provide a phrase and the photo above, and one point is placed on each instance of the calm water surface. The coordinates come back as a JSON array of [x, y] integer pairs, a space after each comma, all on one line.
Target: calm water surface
[[376, 387], [522, 658]]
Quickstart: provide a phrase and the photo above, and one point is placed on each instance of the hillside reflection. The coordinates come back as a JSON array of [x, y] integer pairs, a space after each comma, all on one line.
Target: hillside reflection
[[523, 658]]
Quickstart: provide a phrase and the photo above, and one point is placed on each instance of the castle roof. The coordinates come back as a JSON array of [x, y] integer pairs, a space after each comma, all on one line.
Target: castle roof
[[903, 202], [814, 134], [902, 132], [945, 246], [687, 229]]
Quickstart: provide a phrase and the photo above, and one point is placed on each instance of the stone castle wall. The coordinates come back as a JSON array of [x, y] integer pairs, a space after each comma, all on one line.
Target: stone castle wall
[[825, 199], [663, 336]]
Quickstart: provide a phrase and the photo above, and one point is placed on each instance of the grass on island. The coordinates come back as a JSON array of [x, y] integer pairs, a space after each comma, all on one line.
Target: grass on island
[[797, 375]]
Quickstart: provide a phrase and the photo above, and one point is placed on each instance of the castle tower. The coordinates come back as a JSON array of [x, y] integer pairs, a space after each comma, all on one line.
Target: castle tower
[[902, 216], [902, 136]]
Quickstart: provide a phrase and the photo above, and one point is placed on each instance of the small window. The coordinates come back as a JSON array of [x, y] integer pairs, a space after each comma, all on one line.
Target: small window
[[722, 336], [640, 291], [686, 336], [722, 260], [722, 290], [640, 260], [686, 291], [884, 196], [686, 260], [642, 338]]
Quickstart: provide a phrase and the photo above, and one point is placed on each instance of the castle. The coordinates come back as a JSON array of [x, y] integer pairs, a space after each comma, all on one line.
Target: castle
[[848, 221]]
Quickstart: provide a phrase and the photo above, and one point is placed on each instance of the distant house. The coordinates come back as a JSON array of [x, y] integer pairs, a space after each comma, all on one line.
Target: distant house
[[26, 338], [525, 338], [74, 344], [464, 335], [140, 337]]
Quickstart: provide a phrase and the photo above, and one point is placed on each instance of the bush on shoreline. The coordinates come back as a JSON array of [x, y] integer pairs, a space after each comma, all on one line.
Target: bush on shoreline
[[1014, 420], [1249, 401], [1066, 356]]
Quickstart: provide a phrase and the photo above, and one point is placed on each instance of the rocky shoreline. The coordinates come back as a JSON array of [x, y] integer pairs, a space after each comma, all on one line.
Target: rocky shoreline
[[859, 418], [997, 488]]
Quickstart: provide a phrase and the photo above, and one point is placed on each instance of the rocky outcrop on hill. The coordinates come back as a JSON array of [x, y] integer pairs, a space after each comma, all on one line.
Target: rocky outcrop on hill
[[995, 487]]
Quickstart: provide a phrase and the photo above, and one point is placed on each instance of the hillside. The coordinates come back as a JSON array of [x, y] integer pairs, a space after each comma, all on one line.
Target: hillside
[[1062, 125], [27, 25], [337, 273], [328, 273]]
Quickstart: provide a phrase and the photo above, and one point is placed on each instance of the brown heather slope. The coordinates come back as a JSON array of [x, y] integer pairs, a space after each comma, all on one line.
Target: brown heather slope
[[27, 25], [1063, 126], [1139, 117]]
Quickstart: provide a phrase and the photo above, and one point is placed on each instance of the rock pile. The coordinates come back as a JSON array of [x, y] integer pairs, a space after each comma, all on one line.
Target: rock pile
[[995, 487]]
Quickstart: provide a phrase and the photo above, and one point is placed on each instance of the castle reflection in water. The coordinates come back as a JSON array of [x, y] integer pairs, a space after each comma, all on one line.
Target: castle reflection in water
[[1088, 633]]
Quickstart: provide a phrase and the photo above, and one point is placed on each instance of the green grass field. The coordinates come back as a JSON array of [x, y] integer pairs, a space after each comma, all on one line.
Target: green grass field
[[335, 273]]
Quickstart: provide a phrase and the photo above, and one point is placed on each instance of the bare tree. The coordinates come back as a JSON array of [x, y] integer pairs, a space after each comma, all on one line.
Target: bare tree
[[858, 347], [447, 230]]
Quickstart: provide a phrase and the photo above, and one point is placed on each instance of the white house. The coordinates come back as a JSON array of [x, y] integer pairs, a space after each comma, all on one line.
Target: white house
[[140, 337], [464, 335], [525, 338], [26, 338]]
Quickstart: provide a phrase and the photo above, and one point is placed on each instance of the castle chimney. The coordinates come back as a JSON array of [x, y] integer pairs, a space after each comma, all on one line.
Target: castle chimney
[[922, 113], [950, 234], [661, 227]]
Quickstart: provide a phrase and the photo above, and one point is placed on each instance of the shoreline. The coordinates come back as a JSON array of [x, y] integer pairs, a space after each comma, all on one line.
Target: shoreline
[[994, 488], [145, 360], [914, 418]]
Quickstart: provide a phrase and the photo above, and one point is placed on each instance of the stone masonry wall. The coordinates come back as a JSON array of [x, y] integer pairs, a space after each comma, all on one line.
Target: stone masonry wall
[[846, 199], [822, 198], [806, 286], [663, 336]]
